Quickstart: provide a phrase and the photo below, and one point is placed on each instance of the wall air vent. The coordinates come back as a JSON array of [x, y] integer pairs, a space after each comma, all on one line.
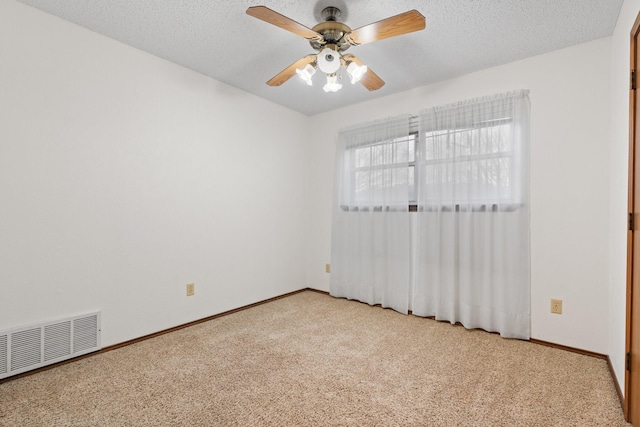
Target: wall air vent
[[26, 348]]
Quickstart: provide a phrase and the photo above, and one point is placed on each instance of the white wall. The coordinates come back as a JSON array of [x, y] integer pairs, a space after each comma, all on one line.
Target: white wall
[[124, 177], [569, 181], [619, 157]]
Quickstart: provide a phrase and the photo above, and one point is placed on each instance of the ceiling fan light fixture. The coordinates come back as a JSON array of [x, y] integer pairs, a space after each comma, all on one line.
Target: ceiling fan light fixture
[[328, 60], [356, 71], [306, 73], [332, 83]]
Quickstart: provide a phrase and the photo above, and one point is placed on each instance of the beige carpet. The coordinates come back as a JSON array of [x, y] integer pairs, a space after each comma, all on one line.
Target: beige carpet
[[313, 360]]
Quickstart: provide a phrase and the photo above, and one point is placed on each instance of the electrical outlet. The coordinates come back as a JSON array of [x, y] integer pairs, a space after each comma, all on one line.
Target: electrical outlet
[[191, 289], [556, 306], [327, 268]]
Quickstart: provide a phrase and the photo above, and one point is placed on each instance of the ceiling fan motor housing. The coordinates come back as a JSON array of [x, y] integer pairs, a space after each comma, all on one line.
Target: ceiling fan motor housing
[[332, 31]]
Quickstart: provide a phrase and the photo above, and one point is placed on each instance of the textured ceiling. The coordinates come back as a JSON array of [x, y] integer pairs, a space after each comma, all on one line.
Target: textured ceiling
[[218, 39]]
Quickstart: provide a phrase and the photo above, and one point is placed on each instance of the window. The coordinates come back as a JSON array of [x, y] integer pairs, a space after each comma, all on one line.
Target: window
[[376, 166], [382, 167], [469, 167], [470, 163]]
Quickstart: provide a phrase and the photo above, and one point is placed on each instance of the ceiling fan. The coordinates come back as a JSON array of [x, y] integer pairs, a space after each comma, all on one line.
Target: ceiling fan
[[330, 38]]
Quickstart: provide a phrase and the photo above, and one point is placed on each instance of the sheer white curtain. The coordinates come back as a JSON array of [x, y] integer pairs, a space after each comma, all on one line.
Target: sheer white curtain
[[472, 238], [370, 254]]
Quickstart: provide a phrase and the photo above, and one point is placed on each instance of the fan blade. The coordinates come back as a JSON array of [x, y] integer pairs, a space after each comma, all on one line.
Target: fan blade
[[272, 17], [370, 80], [290, 71], [404, 23]]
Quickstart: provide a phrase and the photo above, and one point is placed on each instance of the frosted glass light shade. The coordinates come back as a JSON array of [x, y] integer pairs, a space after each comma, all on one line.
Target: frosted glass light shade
[[356, 71], [306, 73], [332, 83], [328, 60]]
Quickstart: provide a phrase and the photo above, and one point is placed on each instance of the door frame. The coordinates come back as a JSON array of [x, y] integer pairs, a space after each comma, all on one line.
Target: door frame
[[635, 34]]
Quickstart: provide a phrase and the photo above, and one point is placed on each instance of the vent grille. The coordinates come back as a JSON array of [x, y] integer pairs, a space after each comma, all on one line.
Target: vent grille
[[27, 348], [57, 340], [85, 333], [4, 359]]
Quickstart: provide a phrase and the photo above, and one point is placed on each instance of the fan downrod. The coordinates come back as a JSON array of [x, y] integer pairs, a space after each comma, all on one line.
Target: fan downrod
[[331, 13]]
